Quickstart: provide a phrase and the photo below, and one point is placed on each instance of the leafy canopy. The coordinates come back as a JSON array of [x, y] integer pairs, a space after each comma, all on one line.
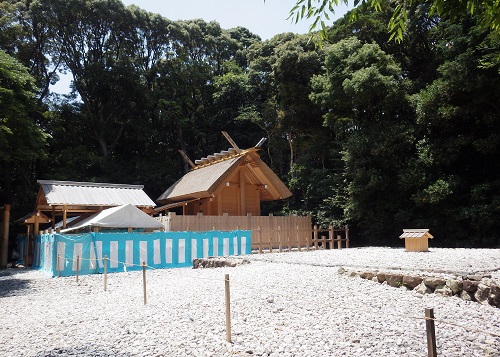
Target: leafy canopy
[[17, 102], [488, 12]]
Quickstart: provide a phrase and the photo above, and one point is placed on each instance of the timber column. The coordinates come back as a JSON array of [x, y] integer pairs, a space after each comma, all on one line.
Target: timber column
[[4, 252]]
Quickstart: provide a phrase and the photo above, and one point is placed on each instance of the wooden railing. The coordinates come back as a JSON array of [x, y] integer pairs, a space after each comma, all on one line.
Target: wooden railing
[[269, 233]]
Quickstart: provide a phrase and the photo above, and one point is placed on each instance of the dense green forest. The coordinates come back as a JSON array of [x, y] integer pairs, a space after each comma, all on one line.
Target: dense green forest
[[378, 134]]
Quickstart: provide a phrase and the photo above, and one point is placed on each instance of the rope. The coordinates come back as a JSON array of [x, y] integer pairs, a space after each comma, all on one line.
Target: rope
[[110, 260], [464, 327]]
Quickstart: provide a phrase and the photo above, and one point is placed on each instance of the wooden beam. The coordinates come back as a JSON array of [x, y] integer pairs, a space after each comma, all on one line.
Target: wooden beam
[[53, 217], [219, 204], [36, 229], [65, 215], [186, 158], [243, 193], [231, 141]]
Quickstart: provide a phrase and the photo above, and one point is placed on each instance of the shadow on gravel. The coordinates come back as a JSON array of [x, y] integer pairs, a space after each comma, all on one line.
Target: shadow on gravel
[[11, 284], [86, 350]]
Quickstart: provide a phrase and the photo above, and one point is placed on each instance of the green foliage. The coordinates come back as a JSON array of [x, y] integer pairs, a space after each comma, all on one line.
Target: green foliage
[[488, 12], [21, 139], [381, 135], [17, 103]]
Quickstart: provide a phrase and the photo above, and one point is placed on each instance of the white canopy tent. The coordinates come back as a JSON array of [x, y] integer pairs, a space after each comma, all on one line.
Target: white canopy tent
[[126, 216]]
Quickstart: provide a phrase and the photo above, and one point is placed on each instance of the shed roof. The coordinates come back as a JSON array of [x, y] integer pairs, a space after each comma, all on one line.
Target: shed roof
[[416, 233], [58, 193]]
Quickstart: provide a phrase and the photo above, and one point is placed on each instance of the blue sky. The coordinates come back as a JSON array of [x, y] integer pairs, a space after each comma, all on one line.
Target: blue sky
[[265, 19]]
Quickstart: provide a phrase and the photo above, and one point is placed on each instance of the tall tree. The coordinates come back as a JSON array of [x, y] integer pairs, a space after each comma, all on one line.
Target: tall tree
[[28, 39], [21, 140], [94, 37], [363, 95], [459, 147]]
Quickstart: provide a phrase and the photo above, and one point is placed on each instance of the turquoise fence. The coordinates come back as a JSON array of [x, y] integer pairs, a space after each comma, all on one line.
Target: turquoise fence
[[127, 251]]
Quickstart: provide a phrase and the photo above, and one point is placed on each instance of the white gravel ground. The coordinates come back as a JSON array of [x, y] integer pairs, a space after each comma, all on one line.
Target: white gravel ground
[[282, 304]]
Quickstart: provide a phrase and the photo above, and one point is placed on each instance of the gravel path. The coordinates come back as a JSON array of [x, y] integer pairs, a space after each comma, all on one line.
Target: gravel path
[[282, 304]]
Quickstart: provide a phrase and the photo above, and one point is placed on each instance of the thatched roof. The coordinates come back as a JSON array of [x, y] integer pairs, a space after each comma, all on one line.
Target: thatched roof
[[214, 171]]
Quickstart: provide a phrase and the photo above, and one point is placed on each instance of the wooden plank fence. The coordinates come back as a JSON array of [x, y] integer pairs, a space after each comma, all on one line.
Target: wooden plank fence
[[269, 233]]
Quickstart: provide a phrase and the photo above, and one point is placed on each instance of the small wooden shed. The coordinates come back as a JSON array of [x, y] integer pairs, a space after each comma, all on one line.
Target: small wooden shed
[[66, 199], [416, 240]]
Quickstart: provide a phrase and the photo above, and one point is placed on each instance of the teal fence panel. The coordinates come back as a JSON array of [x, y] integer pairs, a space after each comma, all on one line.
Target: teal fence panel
[[58, 254], [127, 251]]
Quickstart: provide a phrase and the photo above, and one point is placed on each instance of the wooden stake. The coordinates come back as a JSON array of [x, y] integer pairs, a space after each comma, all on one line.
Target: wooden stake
[[144, 280], [431, 333], [298, 239], [105, 272], [279, 239], [77, 267], [315, 236], [271, 236], [228, 309], [331, 235], [308, 241], [347, 236], [289, 240], [260, 239], [339, 242]]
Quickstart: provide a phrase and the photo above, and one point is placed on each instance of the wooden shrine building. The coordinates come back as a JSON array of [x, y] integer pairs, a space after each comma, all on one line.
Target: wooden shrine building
[[232, 182]]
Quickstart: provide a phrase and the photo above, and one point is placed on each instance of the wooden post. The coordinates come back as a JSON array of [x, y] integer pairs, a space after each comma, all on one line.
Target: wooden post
[[289, 238], [298, 238], [144, 280], [4, 258], [53, 220], [58, 267], [315, 237], [25, 252], [65, 216], [279, 239], [332, 236], [36, 227], [347, 236], [228, 309], [243, 195], [260, 239], [77, 267], [431, 333], [105, 272], [308, 240], [339, 242]]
